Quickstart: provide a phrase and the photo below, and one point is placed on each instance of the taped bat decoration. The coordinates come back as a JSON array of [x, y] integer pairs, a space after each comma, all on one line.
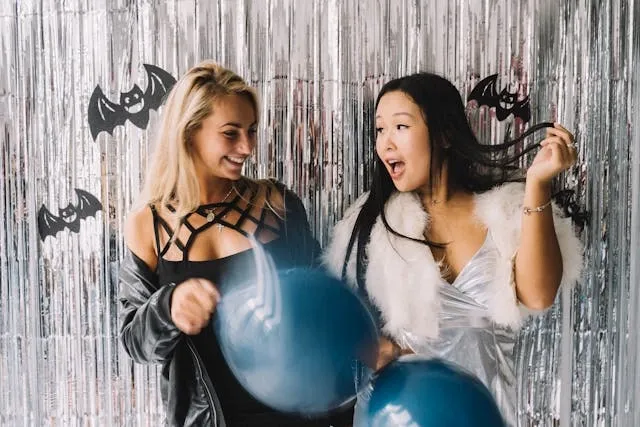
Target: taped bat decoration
[[134, 105], [69, 217], [505, 102]]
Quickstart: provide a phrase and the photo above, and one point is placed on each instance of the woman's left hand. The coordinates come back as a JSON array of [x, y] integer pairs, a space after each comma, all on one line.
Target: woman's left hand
[[558, 153]]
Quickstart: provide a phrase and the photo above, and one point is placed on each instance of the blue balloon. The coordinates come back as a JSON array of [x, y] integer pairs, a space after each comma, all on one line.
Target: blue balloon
[[413, 391], [292, 340]]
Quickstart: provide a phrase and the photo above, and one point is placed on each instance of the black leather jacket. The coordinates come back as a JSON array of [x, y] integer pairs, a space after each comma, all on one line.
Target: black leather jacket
[[149, 335]]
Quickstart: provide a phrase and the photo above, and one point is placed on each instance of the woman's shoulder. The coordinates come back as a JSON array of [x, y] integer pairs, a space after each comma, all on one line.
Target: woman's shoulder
[[289, 207], [509, 192], [503, 202], [139, 234], [279, 197], [274, 186]]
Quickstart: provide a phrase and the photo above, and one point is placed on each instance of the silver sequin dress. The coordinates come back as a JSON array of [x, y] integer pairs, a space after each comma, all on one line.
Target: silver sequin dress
[[467, 335]]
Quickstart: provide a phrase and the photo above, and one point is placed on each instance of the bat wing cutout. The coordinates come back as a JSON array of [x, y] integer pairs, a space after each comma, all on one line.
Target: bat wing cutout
[[69, 217], [505, 103], [106, 115]]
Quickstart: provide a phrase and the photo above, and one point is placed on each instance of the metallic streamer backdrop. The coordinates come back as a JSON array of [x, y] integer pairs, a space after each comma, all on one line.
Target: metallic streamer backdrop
[[317, 66]]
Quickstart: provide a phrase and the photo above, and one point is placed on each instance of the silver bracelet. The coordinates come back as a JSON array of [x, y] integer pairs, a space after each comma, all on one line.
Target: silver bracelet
[[529, 211]]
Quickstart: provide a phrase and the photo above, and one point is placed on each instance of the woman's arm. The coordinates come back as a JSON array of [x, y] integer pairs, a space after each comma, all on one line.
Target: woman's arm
[[147, 332], [538, 263]]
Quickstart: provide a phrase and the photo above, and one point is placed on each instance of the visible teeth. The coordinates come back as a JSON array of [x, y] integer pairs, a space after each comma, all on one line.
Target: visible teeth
[[236, 159], [395, 164]]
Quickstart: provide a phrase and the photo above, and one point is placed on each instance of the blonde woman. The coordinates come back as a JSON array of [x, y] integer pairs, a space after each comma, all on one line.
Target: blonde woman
[[190, 233]]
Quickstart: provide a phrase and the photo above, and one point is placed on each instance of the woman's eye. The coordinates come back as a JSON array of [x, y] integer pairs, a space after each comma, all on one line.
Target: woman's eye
[[378, 130], [230, 134], [402, 127]]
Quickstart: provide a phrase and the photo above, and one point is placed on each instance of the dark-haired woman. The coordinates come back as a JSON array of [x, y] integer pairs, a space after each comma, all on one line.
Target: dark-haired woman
[[451, 253]]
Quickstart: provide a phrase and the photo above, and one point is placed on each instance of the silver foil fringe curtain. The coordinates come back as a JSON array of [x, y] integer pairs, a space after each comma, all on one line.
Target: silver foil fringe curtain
[[317, 66]]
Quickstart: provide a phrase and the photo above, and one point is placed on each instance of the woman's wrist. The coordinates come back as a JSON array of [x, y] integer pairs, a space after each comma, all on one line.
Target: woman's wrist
[[538, 185]]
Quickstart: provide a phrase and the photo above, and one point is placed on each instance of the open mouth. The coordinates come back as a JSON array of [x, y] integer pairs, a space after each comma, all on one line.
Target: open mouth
[[396, 168]]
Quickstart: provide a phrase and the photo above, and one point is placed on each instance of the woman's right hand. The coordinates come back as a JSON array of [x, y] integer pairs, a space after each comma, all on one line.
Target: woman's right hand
[[192, 305], [388, 351]]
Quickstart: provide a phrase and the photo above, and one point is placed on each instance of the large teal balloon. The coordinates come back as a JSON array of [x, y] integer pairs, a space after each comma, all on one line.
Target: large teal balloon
[[293, 340], [412, 392]]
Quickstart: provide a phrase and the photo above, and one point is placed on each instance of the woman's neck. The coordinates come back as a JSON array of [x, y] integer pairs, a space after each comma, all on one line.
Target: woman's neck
[[215, 190], [443, 200]]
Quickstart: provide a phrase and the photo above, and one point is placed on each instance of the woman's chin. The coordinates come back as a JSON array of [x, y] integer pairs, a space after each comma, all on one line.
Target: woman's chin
[[403, 186], [233, 175]]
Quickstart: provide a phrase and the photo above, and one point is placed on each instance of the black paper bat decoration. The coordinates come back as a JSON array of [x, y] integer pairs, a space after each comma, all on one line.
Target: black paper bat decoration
[[572, 209], [505, 102], [134, 106], [69, 217]]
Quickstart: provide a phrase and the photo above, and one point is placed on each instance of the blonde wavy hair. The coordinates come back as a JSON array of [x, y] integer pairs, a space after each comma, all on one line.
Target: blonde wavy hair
[[171, 177]]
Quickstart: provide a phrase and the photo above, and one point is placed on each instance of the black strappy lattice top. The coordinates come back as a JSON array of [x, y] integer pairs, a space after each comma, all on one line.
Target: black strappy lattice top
[[290, 244]]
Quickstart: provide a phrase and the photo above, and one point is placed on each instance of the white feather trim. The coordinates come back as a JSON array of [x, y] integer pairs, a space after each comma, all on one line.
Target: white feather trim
[[402, 276], [501, 211], [334, 255]]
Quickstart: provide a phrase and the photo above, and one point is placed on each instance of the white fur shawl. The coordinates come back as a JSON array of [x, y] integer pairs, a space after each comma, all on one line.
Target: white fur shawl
[[402, 277]]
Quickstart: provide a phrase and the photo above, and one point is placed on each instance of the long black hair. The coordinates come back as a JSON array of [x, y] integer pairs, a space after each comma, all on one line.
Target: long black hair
[[472, 166]]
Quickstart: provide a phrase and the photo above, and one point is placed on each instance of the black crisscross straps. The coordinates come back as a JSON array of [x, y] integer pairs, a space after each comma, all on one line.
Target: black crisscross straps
[[217, 214]]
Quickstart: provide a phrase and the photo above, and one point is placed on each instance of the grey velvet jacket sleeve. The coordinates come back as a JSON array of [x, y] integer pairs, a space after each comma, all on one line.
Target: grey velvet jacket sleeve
[[147, 332]]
